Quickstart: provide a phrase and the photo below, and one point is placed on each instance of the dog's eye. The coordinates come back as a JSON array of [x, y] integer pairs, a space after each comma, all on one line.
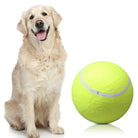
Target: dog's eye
[[31, 17], [44, 13]]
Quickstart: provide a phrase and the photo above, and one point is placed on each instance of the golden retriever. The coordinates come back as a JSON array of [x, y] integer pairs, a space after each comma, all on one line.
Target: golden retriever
[[38, 74]]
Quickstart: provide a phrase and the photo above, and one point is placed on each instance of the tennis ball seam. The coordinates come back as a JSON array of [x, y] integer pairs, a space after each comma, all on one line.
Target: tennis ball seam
[[100, 93]]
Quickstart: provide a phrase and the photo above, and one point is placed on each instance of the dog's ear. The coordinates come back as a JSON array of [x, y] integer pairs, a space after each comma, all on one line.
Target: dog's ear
[[21, 26], [56, 17]]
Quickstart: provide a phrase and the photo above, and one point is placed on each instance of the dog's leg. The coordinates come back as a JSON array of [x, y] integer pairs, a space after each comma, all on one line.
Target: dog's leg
[[28, 114], [13, 114], [54, 115]]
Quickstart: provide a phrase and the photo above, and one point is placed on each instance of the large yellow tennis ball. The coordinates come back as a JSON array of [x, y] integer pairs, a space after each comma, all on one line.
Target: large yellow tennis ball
[[102, 92]]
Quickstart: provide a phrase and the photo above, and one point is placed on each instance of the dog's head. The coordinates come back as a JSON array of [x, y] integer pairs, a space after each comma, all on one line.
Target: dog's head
[[38, 22]]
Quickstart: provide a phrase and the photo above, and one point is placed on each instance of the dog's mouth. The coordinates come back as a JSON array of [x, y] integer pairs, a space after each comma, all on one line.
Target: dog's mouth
[[41, 34]]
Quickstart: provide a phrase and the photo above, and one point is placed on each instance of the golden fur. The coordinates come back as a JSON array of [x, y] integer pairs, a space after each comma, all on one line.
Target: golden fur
[[37, 76]]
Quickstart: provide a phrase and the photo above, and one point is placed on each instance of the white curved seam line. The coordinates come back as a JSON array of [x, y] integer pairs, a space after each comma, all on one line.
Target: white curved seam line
[[100, 93]]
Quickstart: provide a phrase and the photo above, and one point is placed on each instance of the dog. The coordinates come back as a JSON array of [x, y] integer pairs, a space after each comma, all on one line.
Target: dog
[[38, 75]]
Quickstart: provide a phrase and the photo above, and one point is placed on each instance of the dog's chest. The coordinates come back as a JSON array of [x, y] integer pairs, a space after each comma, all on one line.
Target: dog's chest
[[48, 78], [47, 72]]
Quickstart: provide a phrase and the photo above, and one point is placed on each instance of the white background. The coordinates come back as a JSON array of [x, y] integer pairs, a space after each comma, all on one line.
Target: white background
[[91, 30]]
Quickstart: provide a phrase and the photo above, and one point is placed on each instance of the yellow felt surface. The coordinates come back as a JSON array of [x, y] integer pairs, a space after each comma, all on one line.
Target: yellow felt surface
[[105, 77], [98, 108]]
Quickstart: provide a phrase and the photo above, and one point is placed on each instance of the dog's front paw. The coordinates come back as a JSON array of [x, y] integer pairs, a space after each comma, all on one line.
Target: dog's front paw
[[57, 130], [33, 133]]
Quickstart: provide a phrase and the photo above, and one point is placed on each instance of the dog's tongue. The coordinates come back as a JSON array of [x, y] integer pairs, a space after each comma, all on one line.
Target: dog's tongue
[[41, 35]]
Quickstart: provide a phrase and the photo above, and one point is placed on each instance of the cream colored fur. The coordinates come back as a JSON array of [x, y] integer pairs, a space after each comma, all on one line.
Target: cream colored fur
[[37, 76]]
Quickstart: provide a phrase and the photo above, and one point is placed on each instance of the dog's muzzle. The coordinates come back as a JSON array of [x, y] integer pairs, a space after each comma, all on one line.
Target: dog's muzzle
[[41, 33]]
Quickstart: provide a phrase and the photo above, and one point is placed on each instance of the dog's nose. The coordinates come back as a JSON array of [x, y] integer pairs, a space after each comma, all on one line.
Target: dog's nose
[[39, 24]]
